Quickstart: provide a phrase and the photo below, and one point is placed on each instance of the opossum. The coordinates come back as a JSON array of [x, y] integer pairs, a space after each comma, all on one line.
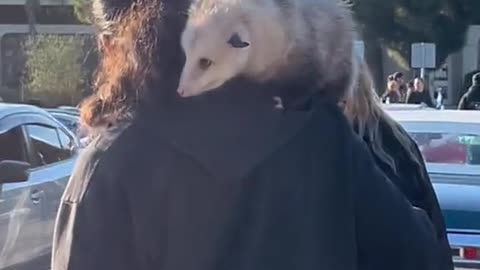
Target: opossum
[[267, 40]]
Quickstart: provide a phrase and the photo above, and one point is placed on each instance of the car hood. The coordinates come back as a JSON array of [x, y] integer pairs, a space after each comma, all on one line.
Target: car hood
[[460, 205]]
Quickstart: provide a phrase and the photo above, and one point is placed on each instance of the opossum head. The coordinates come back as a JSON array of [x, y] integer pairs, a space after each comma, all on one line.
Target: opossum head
[[216, 51]]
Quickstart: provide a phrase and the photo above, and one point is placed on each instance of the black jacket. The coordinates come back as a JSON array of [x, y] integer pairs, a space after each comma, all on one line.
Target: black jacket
[[224, 181], [413, 180], [471, 99], [392, 96], [419, 97]]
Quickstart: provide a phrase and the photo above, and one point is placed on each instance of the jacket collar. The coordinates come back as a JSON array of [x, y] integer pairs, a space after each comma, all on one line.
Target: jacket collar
[[229, 132]]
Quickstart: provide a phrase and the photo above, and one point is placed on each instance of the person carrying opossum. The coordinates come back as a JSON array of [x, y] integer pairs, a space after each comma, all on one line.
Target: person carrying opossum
[[221, 181], [268, 40]]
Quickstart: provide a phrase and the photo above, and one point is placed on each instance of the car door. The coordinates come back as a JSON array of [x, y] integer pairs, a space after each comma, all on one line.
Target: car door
[[21, 214], [52, 165], [60, 171]]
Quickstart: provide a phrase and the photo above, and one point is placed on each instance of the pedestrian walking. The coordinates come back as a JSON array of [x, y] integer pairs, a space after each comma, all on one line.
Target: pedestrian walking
[[471, 99], [402, 88], [419, 94], [392, 94]]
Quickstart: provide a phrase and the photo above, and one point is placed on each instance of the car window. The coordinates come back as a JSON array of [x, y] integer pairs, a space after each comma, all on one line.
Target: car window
[[66, 141], [46, 144], [65, 122], [71, 125], [448, 148], [12, 145]]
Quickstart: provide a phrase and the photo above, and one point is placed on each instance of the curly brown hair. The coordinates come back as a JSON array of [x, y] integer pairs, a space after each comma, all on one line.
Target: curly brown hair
[[144, 55]]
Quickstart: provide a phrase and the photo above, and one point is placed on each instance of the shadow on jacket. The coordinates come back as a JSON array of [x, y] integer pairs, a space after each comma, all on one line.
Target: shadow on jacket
[[225, 181]]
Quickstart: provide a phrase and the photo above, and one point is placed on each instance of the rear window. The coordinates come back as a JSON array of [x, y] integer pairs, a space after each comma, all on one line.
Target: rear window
[[448, 148]]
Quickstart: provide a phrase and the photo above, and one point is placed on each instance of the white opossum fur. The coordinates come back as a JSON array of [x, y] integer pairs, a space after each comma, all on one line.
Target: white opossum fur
[[267, 40]]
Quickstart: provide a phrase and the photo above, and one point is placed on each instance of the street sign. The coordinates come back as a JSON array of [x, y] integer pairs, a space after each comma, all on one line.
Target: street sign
[[423, 55], [359, 48]]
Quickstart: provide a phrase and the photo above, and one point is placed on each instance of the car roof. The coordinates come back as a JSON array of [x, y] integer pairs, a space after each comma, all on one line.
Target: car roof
[[69, 117], [63, 111], [437, 116], [7, 109], [403, 107]]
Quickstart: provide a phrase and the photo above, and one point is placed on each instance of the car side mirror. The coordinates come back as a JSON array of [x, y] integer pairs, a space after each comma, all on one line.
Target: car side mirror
[[12, 171]]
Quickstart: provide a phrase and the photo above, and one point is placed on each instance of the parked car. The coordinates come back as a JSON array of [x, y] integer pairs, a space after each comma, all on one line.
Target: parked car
[[70, 109], [67, 118], [450, 143], [72, 112], [405, 107], [37, 156], [71, 120]]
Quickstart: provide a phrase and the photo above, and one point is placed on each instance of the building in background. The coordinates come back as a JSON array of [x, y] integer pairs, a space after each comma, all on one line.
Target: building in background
[[453, 75]]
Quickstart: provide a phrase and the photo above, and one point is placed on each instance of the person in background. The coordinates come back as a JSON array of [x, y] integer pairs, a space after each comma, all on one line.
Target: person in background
[[439, 96], [410, 90], [397, 155], [402, 88], [419, 94], [471, 99], [392, 94], [221, 181]]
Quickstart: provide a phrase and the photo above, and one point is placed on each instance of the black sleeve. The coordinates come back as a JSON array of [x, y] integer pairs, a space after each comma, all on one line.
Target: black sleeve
[[427, 98], [462, 104], [431, 205], [384, 95], [91, 233], [407, 97], [391, 233]]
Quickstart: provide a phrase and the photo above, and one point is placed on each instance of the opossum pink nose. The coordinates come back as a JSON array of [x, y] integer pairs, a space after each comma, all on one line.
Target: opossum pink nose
[[181, 91]]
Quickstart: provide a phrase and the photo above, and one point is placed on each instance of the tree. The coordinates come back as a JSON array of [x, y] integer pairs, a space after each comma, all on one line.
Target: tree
[[53, 69], [396, 24], [82, 10]]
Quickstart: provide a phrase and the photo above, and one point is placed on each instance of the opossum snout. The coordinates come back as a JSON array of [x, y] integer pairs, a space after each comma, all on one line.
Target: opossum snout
[[183, 92], [187, 91]]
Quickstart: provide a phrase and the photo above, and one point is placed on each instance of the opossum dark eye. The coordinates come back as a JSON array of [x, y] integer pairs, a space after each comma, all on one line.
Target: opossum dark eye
[[236, 42], [205, 63]]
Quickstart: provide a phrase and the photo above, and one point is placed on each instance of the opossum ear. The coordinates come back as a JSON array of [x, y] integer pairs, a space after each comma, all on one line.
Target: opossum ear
[[236, 41]]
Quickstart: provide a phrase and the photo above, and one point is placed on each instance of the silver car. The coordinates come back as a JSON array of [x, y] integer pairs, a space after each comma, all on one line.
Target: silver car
[[37, 155]]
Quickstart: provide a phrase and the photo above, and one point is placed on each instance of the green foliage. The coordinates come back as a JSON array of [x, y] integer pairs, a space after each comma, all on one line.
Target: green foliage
[[82, 10], [53, 68]]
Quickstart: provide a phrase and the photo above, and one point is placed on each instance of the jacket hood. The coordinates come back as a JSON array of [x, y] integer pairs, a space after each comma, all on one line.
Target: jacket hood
[[228, 132]]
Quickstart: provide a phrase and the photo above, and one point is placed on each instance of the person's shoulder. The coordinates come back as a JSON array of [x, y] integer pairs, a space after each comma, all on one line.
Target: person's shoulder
[[329, 128], [465, 96], [89, 158], [329, 118]]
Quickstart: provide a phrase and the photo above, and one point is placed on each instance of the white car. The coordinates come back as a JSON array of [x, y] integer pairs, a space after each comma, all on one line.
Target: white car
[[405, 107]]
